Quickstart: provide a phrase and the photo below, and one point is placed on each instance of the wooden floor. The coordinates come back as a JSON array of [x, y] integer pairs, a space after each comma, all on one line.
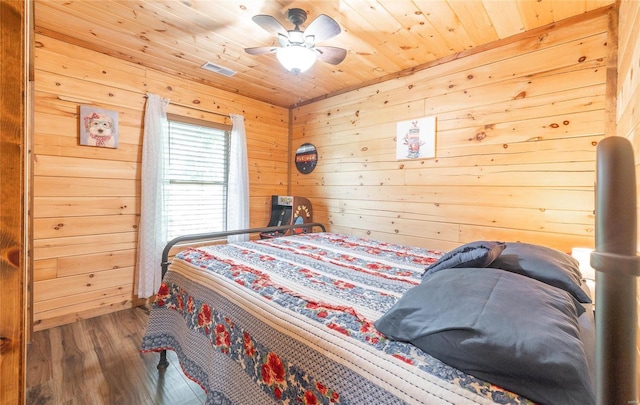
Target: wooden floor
[[97, 361]]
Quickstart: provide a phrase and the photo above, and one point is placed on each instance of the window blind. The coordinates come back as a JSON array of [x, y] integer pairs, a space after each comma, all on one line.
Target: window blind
[[197, 171]]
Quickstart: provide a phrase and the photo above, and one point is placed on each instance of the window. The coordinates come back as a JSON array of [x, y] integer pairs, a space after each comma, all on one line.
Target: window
[[198, 166]]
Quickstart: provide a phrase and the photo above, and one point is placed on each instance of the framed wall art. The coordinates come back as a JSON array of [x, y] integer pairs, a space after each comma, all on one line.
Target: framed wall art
[[416, 139], [306, 158], [98, 127]]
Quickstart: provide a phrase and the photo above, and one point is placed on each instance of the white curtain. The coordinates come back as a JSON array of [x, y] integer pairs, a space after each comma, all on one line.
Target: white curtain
[[152, 235], [238, 192]]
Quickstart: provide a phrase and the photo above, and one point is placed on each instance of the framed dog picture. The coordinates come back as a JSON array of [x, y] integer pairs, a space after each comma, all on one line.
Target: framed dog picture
[[98, 127]]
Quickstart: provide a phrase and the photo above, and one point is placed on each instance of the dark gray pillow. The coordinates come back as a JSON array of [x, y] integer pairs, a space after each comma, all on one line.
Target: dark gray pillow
[[475, 254], [504, 328], [544, 264]]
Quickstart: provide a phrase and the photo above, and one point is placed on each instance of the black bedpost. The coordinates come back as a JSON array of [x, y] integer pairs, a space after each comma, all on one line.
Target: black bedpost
[[617, 266], [163, 363]]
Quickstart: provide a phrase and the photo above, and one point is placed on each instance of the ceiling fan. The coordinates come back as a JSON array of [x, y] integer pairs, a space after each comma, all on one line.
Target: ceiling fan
[[297, 50]]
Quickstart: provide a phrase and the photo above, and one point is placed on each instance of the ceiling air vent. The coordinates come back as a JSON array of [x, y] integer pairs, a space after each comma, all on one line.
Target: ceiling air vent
[[219, 69]]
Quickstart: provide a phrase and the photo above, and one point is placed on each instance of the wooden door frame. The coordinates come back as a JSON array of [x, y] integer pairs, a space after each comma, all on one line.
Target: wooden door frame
[[15, 34]]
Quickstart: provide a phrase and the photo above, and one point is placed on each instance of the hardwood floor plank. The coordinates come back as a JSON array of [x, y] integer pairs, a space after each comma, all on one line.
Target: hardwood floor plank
[[169, 388], [98, 361], [43, 393], [39, 364], [129, 322], [122, 383], [86, 398]]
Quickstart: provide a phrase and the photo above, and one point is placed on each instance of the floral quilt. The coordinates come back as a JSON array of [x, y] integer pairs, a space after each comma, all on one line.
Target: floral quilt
[[290, 320]]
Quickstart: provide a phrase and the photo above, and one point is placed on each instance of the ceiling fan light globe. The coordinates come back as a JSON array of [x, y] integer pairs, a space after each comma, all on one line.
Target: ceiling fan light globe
[[296, 58]]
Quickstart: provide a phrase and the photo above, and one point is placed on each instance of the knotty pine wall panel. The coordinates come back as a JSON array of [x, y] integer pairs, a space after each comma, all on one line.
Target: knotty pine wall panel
[[87, 199], [628, 101], [517, 130]]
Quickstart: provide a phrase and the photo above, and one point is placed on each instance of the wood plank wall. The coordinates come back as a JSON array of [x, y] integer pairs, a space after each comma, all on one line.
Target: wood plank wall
[[628, 108], [87, 199], [517, 129]]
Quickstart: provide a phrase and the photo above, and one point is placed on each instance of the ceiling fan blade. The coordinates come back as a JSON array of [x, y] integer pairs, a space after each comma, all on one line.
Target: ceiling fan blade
[[269, 24], [322, 28], [261, 50], [331, 54]]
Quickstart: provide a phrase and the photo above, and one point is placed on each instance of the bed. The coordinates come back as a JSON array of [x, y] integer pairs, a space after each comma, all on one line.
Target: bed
[[330, 318]]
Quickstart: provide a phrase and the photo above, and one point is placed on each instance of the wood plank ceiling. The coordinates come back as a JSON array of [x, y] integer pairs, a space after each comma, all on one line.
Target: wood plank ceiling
[[384, 38]]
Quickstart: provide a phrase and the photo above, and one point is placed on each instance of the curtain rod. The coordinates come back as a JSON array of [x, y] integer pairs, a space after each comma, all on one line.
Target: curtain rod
[[200, 109]]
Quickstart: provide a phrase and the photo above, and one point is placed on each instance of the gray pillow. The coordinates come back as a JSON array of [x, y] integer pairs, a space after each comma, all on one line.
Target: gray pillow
[[504, 328], [544, 264], [474, 254]]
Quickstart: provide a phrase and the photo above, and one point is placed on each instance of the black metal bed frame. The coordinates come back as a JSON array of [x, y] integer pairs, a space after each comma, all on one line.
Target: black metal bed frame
[[617, 268], [218, 236], [615, 260]]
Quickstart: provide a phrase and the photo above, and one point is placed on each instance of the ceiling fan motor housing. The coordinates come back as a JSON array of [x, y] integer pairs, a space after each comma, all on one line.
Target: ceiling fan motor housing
[[297, 16]]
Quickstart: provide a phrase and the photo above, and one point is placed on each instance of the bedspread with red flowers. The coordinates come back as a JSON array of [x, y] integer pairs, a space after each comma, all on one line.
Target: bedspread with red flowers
[[290, 320]]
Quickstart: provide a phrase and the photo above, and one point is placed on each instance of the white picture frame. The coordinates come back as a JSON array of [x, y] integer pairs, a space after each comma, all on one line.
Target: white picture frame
[[98, 127], [416, 139]]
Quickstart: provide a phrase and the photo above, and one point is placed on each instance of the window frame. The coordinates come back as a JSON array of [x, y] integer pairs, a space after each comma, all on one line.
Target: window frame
[[201, 123]]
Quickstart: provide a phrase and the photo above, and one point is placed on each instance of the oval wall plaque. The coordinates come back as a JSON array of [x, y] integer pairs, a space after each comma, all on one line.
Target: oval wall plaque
[[306, 158]]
